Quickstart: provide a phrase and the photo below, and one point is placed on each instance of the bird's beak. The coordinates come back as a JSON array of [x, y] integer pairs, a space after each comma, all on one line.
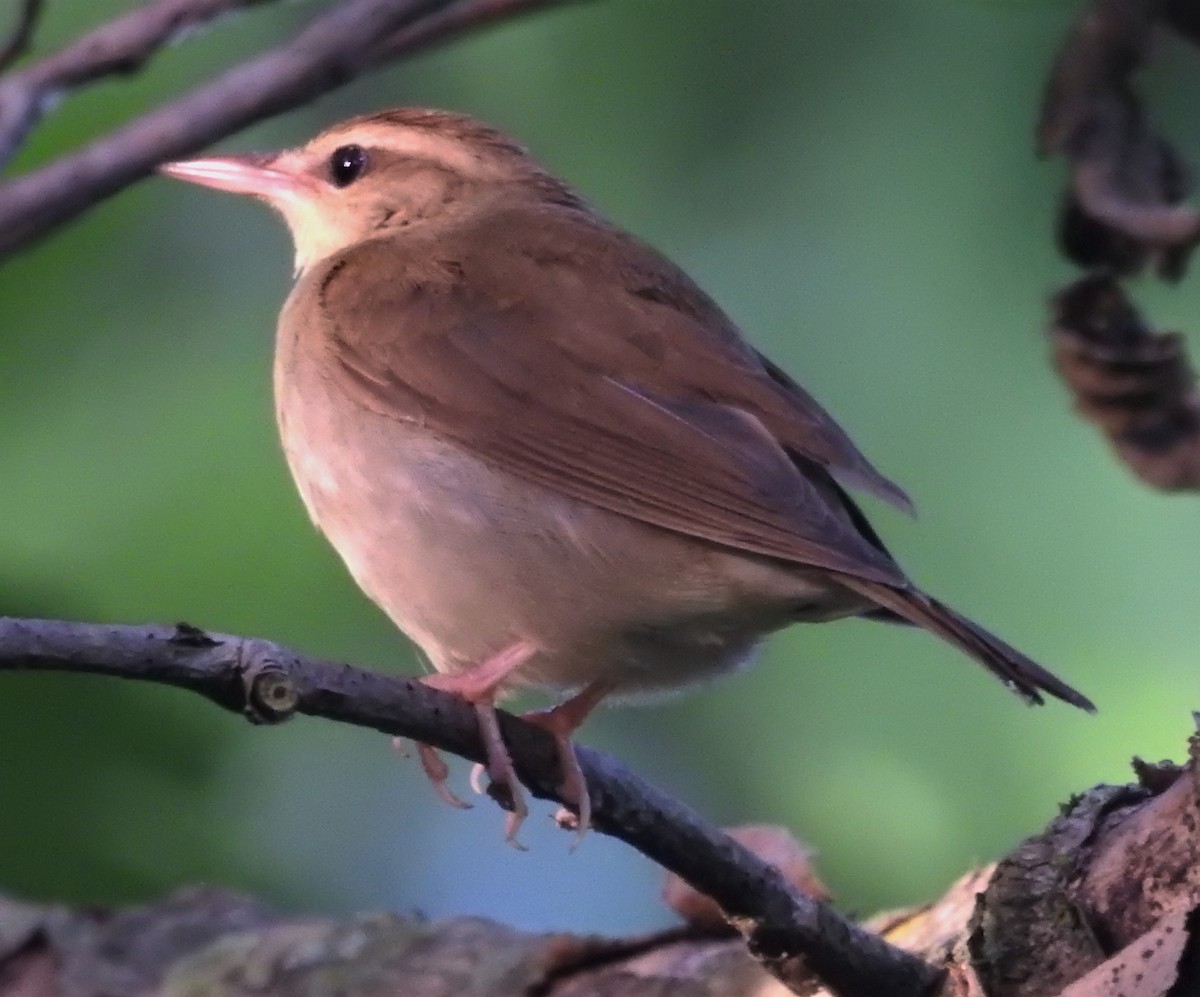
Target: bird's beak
[[257, 175]]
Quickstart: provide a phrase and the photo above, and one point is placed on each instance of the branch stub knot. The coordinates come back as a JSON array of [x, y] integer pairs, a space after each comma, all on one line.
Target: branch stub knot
[[271, 694]]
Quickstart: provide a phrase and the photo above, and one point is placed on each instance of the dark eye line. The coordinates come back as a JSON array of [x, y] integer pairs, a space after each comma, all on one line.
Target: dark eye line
[[347, 164]]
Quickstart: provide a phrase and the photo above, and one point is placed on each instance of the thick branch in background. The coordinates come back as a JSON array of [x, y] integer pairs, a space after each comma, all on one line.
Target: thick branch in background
[[347, 40], [1124, 211], [1105, 901]]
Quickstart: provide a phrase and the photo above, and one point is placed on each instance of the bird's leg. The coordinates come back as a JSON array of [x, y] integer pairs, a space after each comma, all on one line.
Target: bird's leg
[[501, 774], [561, 722], [478, 685]]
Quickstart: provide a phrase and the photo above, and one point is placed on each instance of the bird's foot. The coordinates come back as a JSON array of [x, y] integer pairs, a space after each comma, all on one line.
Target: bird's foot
[[561, 722], [478, 686], [437, 771], [503, 785]]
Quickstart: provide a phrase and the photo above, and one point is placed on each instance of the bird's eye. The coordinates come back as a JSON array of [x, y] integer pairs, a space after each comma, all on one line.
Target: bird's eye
[[347, 164]]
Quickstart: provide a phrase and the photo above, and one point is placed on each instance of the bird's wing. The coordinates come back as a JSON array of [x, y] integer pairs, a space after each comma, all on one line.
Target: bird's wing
[[537, 378], [663, 332]]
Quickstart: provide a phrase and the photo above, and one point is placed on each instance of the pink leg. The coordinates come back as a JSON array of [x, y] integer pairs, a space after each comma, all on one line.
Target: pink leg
[[478, 685], [480, 682], [501, 773], [561, 722]]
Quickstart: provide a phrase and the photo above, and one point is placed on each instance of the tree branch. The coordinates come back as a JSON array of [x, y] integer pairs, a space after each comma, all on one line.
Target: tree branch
[[121, 46], [333, 49], [22, 34], [1104, 901], [453, 21], [268, 683]]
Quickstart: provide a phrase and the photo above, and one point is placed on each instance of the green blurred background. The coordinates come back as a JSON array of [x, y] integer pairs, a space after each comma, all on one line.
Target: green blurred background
[[854, 182]]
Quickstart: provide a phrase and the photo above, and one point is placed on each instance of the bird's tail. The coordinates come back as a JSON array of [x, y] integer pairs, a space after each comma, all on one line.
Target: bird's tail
[[1022, 675]]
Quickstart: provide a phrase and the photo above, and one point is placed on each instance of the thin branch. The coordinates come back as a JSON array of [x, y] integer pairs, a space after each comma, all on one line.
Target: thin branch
[[462, 18], [328, 51], [333, 49], [22, 35], [120, 47], [268, 683]]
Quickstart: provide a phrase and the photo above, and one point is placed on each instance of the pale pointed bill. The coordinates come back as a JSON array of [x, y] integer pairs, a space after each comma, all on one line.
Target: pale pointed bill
[[256, 176]]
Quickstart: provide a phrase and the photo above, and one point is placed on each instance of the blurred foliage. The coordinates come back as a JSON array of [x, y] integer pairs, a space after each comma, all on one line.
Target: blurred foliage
[[854, 181]]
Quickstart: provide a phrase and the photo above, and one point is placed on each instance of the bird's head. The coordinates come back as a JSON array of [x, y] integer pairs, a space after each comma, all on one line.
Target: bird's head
[[378, 175]]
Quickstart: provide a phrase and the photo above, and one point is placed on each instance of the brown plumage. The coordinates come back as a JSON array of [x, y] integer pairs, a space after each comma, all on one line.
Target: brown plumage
[[548, 455]]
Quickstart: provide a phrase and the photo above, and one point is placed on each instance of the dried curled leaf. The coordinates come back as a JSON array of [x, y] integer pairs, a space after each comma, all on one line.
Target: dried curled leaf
[[1136, 385], [1124, 207], [775, 844]]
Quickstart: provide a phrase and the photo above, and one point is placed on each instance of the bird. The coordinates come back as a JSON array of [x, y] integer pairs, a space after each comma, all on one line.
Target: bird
[[550, 457]]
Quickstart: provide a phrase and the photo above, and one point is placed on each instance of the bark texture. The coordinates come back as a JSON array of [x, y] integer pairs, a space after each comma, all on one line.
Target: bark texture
[[1103, 902]]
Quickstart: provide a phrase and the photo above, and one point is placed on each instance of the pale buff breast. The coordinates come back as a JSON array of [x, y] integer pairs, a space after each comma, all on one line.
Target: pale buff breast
[[467, 560]]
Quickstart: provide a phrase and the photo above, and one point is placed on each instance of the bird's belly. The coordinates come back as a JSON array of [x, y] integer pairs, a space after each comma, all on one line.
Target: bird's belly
[[467, 560]]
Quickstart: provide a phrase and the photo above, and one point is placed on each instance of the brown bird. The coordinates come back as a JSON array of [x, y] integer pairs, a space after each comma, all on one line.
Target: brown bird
[[549, 456]]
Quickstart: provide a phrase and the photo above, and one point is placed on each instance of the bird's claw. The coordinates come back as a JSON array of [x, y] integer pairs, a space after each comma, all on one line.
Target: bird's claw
[[438, 772]]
